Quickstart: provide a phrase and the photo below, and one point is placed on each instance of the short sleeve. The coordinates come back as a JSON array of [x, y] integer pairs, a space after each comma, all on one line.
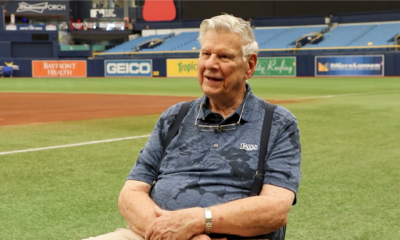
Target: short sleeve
[[284, 154]]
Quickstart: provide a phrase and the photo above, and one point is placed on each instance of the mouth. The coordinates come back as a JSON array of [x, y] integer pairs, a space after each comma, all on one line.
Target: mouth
[[214, 79]]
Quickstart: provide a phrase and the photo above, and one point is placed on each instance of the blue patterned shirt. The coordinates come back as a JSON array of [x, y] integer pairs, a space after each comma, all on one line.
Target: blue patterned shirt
[[203, 169]]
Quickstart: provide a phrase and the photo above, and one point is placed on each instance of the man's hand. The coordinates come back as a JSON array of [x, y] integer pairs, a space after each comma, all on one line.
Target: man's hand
[[201, 237], [205, 237], [182, 224]]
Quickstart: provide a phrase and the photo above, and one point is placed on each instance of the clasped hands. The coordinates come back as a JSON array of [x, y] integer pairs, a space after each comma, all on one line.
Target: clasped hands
[[185, 224]]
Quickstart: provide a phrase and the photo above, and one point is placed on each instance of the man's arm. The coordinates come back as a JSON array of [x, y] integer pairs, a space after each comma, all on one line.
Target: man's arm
[[134, 202], [250, 216], [136, 206], [254, 215]]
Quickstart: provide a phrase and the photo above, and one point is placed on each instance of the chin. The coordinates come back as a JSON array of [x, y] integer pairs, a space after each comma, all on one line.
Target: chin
[[210, 91]]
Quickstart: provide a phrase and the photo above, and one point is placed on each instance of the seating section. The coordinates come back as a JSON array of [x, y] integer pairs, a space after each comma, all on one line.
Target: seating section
[[181, 42], [130, 46], [353, 35], [283, 37], [266, 38], [359, 35], [380, 35], [342, 35]]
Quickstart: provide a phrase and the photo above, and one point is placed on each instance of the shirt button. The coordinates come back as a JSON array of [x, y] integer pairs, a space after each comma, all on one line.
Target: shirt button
[[215, 145]]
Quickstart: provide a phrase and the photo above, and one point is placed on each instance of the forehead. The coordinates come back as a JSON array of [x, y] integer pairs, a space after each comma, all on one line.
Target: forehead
[[221, 41]]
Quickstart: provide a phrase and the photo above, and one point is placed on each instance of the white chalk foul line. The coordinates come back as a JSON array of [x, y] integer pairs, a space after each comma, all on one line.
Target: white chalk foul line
[[345, 95], [133, 137], [73, 145]]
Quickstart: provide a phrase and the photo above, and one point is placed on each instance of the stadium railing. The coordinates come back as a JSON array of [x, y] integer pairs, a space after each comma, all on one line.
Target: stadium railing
[[291, 50]]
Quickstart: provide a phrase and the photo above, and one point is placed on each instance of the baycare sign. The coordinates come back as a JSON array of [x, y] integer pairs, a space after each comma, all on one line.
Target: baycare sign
[[62, 68], [38, 7]]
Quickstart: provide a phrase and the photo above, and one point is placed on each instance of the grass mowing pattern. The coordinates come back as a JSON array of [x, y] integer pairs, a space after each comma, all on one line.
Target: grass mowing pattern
[[350, 169], [350, 166]]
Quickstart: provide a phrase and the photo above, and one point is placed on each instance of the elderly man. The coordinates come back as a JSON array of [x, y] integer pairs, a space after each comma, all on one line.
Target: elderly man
[[203, 182]]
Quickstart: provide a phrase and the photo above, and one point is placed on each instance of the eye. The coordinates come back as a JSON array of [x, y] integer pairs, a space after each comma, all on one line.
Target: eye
[[224, 57]]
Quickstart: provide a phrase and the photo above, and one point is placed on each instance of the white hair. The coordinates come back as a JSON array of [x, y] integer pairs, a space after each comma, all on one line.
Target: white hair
[[232, 24]]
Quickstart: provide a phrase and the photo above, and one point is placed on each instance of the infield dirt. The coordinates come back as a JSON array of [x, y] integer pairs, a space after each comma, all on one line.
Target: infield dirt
[[27, 108]]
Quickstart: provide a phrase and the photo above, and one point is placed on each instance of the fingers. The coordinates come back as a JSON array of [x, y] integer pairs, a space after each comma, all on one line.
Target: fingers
[[205, 237], [200, 237]]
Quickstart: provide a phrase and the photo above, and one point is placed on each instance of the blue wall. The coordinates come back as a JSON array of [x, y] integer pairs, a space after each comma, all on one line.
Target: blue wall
[[1, 19], [32, 49], [95, 68], [305, 63], [367, 17], [5, 49]]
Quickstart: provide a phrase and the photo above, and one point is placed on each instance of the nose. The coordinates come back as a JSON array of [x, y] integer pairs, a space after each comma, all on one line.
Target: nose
[[212, 62]]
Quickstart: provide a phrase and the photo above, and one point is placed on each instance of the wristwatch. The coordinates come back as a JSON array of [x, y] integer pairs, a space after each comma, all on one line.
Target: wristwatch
[[208, 216]]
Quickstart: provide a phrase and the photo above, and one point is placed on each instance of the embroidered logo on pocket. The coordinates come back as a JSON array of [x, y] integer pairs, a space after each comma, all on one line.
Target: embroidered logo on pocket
[[248, 147]]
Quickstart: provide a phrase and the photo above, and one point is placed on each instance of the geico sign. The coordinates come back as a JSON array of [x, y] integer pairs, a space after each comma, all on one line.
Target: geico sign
[[129, 68]]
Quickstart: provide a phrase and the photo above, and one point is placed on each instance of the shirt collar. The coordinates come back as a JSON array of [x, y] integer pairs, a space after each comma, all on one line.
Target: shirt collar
[[206, 115]]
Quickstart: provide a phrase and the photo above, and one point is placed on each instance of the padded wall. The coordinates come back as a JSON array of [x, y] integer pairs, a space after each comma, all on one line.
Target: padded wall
[[31, 50], [305, 63]]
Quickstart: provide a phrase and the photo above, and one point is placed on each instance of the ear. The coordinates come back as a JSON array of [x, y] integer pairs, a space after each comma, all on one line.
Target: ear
[[252, 63]]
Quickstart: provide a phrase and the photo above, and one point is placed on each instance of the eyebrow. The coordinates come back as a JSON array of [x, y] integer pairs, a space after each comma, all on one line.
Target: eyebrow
[[226, 51]]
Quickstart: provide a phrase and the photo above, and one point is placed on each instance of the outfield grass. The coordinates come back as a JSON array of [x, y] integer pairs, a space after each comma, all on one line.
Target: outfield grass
[[271, 88], [350, 149]]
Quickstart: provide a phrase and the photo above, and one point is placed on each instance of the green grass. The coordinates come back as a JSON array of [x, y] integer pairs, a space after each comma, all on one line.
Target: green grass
[[144, 86], [60, 133], [350, 166], [272, 88], [350, 169]]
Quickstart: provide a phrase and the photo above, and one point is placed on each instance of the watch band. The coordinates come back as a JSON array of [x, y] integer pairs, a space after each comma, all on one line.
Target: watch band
[[208, 216]]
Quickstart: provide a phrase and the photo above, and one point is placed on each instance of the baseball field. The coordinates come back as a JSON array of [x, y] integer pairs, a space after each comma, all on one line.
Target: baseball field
[[67, 145]]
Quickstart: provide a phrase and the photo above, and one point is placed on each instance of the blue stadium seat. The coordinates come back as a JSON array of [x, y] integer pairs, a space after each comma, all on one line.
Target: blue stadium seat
[[277, 38], [353, 35], [344, 35], [181, 42], [131, 45], [378, 36]]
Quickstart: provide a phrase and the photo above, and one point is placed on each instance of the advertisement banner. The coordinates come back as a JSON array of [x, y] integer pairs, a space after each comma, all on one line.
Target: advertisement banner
[[276, 67], [31, 27], [182, 67], [128, 68], [37, 7], [107, 13], [362, 65], [63, 68]]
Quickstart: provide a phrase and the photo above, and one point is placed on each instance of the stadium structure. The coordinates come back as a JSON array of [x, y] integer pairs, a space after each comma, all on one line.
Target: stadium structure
[[152, 38]]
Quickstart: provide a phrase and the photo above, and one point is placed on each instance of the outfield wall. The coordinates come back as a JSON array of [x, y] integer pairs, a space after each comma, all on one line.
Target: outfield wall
[[273, 65]]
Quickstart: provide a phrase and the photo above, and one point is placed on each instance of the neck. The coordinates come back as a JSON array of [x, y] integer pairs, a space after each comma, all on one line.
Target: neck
[[226, 107]]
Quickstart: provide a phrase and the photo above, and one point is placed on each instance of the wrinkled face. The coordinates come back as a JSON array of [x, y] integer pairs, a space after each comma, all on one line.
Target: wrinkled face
[[222, 72]]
